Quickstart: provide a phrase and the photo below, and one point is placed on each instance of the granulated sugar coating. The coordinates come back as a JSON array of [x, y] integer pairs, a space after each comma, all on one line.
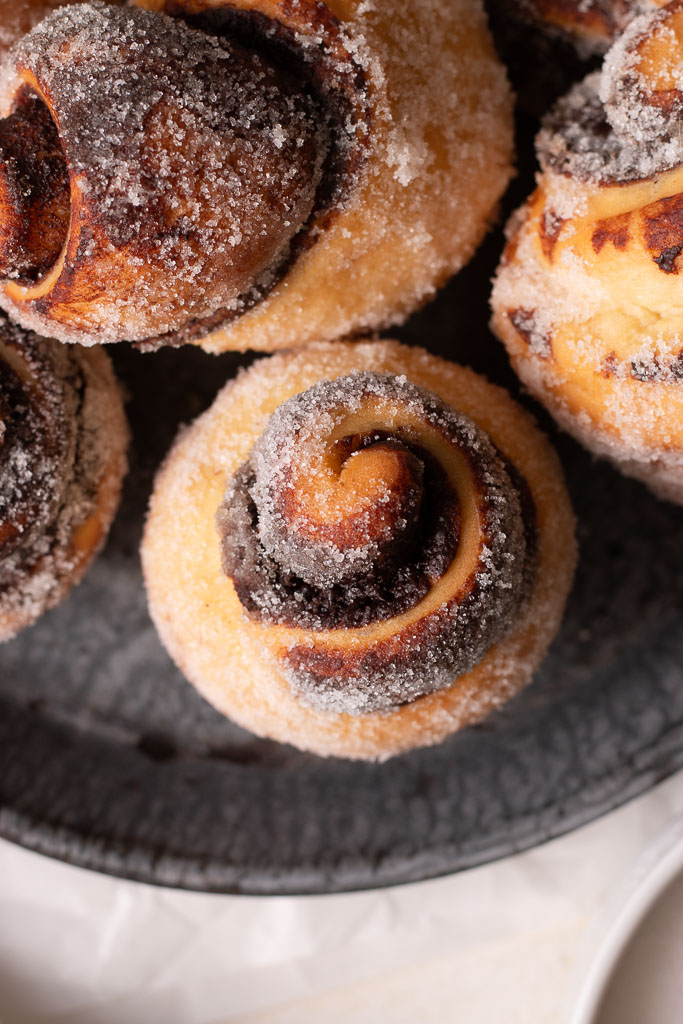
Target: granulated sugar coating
[[62, 458], [285, 662], [594, 259], [17, 17], [622, 124], [298, 176]]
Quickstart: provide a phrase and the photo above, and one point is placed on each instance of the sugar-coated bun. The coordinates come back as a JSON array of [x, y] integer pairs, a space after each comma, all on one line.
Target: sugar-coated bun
[[63, 438], [245, 174], [589, 291], [179, 171], [359, 549]]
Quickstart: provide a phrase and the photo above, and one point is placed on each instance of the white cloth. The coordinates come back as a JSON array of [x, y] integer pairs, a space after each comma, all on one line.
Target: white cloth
[[497, 943]]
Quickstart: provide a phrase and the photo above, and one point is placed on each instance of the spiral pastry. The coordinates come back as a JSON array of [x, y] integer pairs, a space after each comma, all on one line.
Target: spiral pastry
[[248, 174], [588, 297], [375, 548], [63, 438]]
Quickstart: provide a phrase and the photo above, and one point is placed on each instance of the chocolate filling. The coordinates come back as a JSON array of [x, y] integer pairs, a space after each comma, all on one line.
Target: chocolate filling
[[34, 190], [381, 590]]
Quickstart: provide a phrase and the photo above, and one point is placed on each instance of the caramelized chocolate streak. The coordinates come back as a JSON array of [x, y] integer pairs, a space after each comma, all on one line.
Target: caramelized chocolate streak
[[651, 369], [657, 369], [385, 587], [525, 322], [551, 226], [663, 232], [330, 527], [612, 230], [45, 488]]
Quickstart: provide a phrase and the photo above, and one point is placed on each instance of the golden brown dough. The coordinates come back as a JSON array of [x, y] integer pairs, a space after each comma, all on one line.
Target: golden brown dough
[[323, 170], [588, 297], [63, 440], [359, 549]]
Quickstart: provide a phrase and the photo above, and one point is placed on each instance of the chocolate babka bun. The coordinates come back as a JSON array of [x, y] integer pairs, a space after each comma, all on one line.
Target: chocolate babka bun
[[359, 550], [62, 458], [236, 172], [369, 506], [176, 172], [588, 293]]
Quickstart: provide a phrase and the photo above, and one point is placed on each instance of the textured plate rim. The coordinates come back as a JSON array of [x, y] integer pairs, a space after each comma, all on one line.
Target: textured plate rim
[[140, 864]]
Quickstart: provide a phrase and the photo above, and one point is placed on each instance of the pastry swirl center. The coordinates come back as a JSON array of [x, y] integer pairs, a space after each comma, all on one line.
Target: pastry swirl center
[[382, 530]]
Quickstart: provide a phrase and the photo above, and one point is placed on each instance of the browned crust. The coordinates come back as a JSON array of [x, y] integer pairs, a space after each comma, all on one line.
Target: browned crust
[[598, 17], [615, 230], [663, 232], [365, 526], [525, 322], [610, 299], [422, 221], [593, 22], [551, 226], [329, 69]]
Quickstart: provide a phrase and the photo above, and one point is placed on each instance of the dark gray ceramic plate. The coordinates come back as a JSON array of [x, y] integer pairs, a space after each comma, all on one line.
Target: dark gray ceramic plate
[[110, 760]]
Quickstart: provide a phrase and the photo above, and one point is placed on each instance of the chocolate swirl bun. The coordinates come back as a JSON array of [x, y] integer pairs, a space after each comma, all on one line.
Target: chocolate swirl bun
[[588, 293], [248, 174], [366, 549], [363, 497], [63, 437], [186, 170]]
